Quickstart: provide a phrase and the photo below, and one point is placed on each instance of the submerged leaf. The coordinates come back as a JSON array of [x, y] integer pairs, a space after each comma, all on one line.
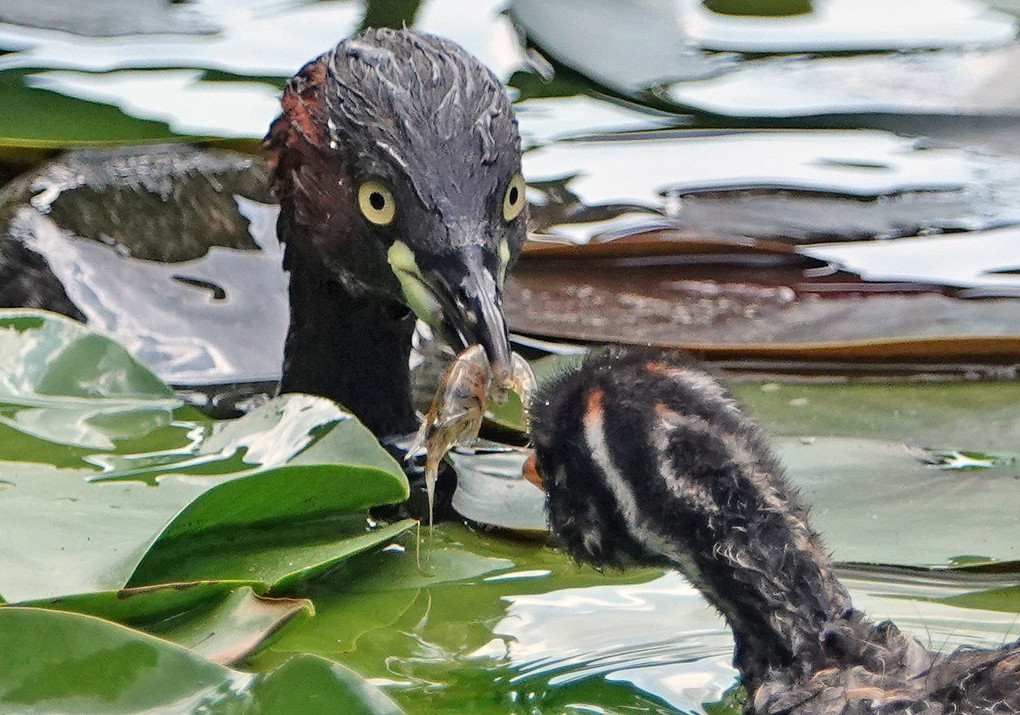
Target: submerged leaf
[[224, 621], [66, 662], [997, 599]]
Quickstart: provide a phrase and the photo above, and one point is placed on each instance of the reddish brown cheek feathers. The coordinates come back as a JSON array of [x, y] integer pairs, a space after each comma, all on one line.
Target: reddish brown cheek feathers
[[302, 102], [301, 119]]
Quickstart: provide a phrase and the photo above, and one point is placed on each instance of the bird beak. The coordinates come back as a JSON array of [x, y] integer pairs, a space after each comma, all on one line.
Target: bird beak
[[474, 312], [530, 472], [458, 298]]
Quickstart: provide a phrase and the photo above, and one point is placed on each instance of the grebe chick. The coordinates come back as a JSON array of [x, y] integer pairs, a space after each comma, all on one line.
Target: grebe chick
[[648, 461]]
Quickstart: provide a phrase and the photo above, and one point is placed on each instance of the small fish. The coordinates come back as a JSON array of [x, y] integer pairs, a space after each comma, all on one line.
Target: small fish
[[459, 407]]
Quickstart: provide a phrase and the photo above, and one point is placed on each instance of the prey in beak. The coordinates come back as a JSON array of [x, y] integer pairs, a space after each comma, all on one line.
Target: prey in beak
[[459, 407], [458, 296]]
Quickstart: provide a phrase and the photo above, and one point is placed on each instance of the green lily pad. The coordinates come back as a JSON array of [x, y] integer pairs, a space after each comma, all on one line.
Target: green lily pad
[[452, 583], [878, 502], [995, 599], [331, 688], [979, 416], [565, 636], [966, 416], [222, 621], [138, 607], [133, 498], [66, 384], [63, 532], [373, 590], [230, 631], [60, 358], [280, 554], [67, 662]]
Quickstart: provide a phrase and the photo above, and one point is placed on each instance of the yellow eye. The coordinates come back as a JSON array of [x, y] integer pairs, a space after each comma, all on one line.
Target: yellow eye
[[513, 199], [376, 203]]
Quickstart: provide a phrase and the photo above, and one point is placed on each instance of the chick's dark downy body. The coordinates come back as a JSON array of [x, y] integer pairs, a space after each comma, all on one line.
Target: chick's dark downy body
[[647, 460], [411, 128]]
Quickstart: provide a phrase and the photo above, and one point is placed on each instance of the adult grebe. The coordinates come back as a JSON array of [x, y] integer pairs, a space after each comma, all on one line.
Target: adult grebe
[[396, 161], [647, 460]]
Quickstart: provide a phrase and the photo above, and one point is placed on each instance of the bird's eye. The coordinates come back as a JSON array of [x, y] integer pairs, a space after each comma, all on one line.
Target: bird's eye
[[513, 199], [376, 203]]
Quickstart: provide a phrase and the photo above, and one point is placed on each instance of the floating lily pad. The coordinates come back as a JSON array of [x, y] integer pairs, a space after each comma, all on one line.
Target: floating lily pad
[[318, 686], [66, 662], [73, 663], [63, 383], [665, 240], [223, 621], [279, 554], [998, 599], [912, 514], [374, 590], [727, 306], [282, 491], [48, 356], [961, 415]]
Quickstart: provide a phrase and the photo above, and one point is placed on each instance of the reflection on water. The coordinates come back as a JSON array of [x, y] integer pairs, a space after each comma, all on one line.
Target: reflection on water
[[599, 170], [660, 637], [248, 48], [260, 439], [772, 184], [209, 306], [939, 83], [848, 26], [947, 57], [663, 638], [553, 637], [706, 677]]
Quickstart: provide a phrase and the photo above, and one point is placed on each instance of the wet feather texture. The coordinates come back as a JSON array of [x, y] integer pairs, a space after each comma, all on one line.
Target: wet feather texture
[[647, 460]]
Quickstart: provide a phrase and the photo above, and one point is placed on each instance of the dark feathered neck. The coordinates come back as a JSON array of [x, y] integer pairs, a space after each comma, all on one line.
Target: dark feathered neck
[[353, 350], [345, 342]]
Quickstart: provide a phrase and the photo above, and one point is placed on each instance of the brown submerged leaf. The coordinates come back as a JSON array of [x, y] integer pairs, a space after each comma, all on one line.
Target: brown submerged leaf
[[756, 300]]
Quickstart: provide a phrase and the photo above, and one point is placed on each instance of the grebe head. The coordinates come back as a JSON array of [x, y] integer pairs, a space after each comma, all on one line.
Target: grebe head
[[397, 164]]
